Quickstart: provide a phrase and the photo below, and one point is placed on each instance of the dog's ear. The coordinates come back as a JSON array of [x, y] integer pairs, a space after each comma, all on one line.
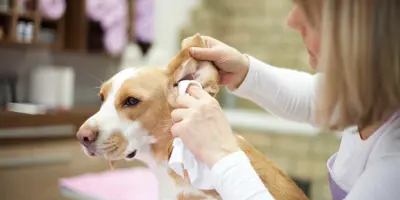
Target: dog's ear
[[184, 67]]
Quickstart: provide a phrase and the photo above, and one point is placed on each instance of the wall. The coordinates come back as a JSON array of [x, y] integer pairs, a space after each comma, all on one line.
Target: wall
[[170, 16], [257, 28]]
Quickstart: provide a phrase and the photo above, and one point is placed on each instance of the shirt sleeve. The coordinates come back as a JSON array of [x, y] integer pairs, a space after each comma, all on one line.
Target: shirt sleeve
[[286, 93], [236, 179], [380, 181]]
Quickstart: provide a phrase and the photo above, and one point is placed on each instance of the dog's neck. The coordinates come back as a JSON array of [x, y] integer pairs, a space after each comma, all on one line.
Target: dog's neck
[[159, 128], [157, 154]]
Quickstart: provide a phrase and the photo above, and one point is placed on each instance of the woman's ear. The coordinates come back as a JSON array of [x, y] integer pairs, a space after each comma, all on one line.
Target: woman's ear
[[184, 67]]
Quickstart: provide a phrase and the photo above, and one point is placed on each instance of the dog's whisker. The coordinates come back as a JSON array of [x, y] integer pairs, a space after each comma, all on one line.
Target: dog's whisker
[[98, 79]]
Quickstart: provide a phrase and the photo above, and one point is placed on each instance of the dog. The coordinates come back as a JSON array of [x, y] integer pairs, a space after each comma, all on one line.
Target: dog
[[134, 122]]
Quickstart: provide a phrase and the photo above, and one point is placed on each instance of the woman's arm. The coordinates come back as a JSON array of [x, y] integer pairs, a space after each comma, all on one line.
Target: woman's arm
[[235, 178], [287, 93]]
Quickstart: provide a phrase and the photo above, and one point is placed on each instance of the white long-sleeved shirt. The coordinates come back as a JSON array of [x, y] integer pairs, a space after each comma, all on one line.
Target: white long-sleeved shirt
[[365, 169]]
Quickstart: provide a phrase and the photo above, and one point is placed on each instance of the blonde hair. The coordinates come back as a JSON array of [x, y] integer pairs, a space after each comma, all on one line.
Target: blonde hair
[[360, 61]]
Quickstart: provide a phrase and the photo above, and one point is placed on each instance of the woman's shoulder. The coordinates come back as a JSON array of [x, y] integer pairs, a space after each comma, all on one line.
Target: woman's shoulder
[[387, 146], [389, 141]]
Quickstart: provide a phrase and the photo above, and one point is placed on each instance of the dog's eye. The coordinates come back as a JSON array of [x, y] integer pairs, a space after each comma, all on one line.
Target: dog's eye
[[101, 97], [130, 101]]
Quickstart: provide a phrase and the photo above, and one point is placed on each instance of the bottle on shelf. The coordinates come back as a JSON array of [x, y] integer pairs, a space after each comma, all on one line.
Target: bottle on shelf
[[29, 31], [20, 31]]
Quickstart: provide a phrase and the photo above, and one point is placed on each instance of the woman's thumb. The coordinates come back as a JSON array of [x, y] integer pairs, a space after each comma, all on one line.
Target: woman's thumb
[[207, 54]]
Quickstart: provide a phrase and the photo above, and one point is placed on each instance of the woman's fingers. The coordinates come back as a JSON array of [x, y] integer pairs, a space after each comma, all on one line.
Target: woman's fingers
[[197, 92], [179, 128], [207, 54], [179, 114], [185, 101]]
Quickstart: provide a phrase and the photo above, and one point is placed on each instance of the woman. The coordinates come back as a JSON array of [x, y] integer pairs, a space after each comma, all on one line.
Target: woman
[[355, 45]]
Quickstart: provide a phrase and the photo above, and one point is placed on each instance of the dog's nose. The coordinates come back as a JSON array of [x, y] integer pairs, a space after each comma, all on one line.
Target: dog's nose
[[87, 135]]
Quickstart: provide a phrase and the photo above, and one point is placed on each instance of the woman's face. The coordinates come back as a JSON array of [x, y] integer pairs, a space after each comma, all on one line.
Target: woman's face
[[297, 20]]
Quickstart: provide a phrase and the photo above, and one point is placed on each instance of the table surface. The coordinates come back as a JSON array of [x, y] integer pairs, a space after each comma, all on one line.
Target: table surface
[[73, 195]]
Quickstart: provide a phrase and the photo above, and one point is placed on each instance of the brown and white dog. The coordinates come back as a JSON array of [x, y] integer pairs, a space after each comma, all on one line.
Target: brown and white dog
[[134, 122]]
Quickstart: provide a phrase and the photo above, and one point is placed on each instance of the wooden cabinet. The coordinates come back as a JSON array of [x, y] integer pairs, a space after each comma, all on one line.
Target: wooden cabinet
[[82, 34], [73, 32], [24, 25]]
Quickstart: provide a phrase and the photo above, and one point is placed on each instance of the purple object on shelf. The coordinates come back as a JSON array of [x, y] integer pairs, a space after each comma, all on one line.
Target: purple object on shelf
[[144, 20], [112, 16], [52, 9]]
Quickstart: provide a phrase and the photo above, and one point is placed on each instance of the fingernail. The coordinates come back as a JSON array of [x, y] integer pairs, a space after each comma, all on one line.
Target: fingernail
[[188, 90], [193, 86], [192, 51]]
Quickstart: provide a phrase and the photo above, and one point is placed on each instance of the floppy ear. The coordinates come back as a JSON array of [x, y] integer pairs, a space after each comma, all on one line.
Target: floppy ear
[[184, 67]]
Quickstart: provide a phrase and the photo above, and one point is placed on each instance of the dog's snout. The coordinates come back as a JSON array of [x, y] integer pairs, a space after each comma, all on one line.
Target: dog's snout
[[87, 135]]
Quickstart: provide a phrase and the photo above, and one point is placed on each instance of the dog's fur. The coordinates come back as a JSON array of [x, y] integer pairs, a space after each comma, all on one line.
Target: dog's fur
[[144, 125]]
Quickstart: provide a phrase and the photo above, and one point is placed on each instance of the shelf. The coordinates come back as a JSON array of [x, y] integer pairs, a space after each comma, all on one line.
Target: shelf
[[5, 13], [26, 15], [50, 47], [75, 117], [9, 44]]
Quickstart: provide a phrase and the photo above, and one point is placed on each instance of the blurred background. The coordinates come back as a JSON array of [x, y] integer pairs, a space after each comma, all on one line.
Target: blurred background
[[54, 54]]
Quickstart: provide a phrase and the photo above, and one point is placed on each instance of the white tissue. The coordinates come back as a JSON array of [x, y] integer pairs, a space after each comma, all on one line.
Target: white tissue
[[182, 159]]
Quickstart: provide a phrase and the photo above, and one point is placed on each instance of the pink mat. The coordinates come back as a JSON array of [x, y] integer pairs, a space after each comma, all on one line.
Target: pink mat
[[121, 184]]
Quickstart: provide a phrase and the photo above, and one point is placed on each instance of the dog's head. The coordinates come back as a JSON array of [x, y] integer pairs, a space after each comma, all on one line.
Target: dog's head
[[134, 118]]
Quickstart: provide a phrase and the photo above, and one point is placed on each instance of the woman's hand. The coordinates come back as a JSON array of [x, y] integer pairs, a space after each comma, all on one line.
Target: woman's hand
[[233, 65], [202, 126]]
